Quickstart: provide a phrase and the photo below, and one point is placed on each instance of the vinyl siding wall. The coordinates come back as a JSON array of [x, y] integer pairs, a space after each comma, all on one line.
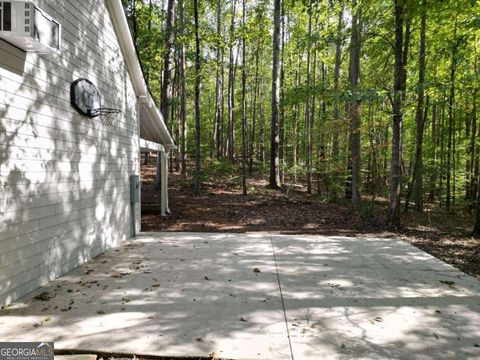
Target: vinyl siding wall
[[64, 178]]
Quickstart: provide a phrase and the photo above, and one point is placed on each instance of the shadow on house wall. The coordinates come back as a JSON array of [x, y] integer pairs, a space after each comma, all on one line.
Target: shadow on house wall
[[64, 178]]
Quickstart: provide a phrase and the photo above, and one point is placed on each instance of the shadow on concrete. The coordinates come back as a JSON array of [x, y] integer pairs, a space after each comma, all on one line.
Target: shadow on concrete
[[179, 294]]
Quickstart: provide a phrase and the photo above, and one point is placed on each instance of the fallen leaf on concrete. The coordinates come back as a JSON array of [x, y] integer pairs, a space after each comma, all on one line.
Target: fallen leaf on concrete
[[44, 296], [334, 285]]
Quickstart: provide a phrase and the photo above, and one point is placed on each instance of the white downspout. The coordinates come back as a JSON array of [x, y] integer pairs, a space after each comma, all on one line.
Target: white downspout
[[137, 171], [163, 185], [167, 206]]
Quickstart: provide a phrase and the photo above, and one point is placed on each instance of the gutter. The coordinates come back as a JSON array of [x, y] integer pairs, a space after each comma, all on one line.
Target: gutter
[[129, 52]]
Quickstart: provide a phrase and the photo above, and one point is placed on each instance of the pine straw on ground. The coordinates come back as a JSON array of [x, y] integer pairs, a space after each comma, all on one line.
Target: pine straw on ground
[[221, 207]]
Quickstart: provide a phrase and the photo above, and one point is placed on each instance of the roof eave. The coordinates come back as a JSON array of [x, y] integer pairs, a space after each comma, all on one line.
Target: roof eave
[[134, 68]]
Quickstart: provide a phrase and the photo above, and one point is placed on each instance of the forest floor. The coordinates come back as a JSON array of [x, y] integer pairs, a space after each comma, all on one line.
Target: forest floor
[[221, 207]]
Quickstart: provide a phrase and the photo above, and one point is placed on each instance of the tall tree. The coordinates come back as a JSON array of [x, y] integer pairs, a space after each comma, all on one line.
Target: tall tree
[[168, 61], [395, 167], [183, 89], [307, 106], [231, 88], [451, 115], [336, 79], [244, 100], [254, 109], [218, 84], [419, 116], [281, 119], [354, 104], [196, 188], [274, 136]]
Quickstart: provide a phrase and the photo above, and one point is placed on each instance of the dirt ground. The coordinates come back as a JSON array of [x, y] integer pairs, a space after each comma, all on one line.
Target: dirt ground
[[221, 207]]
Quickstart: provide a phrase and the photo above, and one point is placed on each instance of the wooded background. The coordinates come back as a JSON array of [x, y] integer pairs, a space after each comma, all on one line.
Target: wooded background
[[360, 98]]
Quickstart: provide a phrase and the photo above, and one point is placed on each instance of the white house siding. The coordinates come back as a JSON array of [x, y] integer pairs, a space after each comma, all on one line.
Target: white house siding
[[64, 178]]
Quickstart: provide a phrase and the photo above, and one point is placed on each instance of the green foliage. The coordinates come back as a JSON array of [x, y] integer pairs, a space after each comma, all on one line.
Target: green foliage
[[213, 168], [374, 93]]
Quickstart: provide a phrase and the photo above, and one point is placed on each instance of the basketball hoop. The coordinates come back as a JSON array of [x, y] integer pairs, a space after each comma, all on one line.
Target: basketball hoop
[[108, 118], [86, 99]]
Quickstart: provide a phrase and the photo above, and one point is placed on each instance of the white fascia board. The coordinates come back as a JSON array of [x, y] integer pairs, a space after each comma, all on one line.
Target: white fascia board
[[146, 145]]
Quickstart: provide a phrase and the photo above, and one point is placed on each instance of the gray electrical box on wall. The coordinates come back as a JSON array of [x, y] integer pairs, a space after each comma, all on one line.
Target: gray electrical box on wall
[[134, 189]]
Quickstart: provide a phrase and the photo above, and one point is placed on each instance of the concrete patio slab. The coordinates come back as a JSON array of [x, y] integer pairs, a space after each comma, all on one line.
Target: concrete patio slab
[[257, 296], [375, 299]]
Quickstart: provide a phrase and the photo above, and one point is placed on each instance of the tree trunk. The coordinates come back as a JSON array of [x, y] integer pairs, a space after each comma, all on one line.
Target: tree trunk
[[307, 105], [336, 78], [254, 110], [244, 104], [261, 133], [433, 163], [442, 150], [312, 115], [419, 116], [175, 131], [474, 157], [321, 138], [218, 85], [395, 167], [196, 188], [168, 62], [183, 92], [295, 123], [476, 229], [274, 136], [354, 104], [231, 90], [282, 100], [451, 114], [134, 21]]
